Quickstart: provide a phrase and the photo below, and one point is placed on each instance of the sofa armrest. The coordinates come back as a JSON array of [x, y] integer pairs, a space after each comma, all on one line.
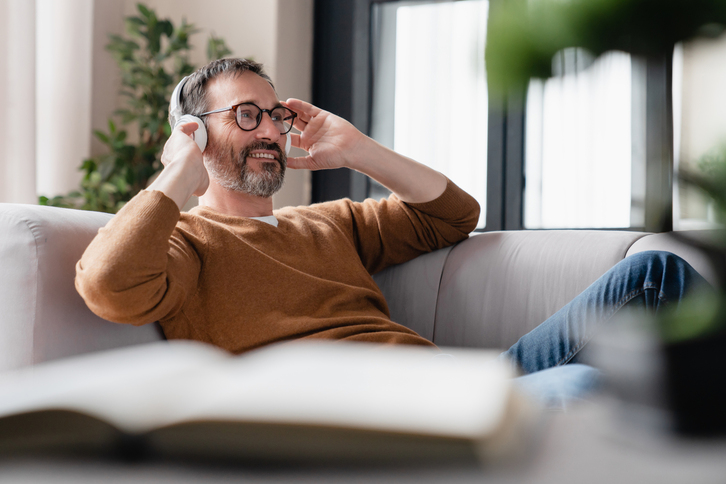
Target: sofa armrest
[[42, 317], [690, 254]]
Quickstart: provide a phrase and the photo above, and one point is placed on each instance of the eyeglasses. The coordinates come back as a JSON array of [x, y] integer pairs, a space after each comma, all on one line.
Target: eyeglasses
[[249, 116]]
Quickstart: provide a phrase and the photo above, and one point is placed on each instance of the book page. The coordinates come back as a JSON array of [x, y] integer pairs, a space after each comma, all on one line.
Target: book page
[[353, 385], [393, 388], [123, 386]]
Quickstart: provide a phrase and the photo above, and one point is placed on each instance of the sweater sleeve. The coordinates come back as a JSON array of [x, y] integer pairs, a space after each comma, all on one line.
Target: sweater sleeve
[[390, 231], [139, 268]]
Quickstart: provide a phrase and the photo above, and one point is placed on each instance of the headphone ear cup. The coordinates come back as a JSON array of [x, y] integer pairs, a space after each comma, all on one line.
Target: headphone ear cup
[[200, 135], [288, 144]]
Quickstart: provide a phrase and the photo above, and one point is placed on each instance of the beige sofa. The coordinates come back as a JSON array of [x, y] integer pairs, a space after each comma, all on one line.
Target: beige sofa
[[484, 292]]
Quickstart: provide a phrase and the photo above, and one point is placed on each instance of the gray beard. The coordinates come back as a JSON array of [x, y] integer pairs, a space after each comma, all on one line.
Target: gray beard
[[233, 173]]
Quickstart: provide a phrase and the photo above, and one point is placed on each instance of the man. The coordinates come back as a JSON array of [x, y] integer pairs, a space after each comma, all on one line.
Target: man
[[234, 274], [222, 275]]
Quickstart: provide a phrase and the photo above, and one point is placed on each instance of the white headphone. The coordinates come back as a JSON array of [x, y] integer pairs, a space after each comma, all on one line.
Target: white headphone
[[176, 117]]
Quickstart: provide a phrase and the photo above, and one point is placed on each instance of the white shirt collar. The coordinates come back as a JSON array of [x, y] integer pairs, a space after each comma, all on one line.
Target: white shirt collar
[[269, 219]]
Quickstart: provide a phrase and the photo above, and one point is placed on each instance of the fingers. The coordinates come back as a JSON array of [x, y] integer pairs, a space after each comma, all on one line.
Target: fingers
[[188, 128], [295, 140], [178, 143], [301, 163], [305, 111], [299, 124]]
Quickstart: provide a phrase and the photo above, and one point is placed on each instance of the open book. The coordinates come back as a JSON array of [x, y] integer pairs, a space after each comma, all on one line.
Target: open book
[[294, 401]]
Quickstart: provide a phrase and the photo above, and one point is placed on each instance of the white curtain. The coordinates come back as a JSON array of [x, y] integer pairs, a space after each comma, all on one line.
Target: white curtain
[[45, 96], [578, 146], [17, 101]]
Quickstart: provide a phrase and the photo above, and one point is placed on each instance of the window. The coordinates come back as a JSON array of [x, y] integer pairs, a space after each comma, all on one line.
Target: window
[[578, 151], [588, 148], [429, 92]]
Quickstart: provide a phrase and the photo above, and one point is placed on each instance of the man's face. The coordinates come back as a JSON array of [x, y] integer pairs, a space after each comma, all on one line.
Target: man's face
[[254, 161]]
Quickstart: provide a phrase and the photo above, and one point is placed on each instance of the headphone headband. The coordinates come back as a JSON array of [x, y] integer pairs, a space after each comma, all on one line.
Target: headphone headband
[[175, 110]]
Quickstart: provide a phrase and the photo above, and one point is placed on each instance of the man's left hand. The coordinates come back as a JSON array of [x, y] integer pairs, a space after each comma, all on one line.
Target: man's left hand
[[331, 141]]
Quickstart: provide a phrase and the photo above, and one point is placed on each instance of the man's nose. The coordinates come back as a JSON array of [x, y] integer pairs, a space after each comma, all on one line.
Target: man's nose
[[267, 129]]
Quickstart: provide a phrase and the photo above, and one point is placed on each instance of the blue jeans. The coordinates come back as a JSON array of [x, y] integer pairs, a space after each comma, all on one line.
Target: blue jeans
[[647, 281]]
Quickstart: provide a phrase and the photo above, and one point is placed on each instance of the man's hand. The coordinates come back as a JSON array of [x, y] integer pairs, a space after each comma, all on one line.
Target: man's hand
[[330, 140], [333, 142], [184, 173]]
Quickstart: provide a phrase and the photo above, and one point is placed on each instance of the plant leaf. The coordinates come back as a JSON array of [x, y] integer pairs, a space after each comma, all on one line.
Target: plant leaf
[[144, 10], [102, 136]]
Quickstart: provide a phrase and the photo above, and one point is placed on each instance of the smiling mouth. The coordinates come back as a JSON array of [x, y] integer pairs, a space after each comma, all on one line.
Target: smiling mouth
[[262, 155]]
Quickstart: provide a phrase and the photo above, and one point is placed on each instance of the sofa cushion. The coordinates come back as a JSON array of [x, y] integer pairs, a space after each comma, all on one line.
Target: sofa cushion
[[497, 286]]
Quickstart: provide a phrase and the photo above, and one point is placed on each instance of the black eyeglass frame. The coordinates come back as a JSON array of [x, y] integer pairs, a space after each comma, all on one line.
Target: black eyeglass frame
[[259, 117]]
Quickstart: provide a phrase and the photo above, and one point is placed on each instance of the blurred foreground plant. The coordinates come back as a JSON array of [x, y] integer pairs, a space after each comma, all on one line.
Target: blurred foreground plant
[[704, 314], [152, 59], [694, 335], [524, 35]]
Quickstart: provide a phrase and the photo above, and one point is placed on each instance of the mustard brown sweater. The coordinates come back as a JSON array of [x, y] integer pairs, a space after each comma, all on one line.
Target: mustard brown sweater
[[241, 283]]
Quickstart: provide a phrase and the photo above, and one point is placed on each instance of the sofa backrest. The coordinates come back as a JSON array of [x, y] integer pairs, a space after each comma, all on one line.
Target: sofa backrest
[[497, 286], [42, 317], [484, 292], [493, 288]]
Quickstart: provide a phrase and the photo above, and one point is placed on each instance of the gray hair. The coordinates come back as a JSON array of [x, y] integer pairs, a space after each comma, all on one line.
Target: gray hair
[[194, 94]]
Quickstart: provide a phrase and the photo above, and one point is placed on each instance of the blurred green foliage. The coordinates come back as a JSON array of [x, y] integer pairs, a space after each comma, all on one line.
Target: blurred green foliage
[[524, 35], [703, 314], [711, 179], [153, 57], [699, 315]]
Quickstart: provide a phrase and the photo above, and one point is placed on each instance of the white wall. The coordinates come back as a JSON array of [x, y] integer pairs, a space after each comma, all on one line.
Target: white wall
[[108, 17]]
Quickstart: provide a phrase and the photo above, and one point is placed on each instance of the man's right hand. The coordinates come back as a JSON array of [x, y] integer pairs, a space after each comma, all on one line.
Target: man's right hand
[[184, 173]]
